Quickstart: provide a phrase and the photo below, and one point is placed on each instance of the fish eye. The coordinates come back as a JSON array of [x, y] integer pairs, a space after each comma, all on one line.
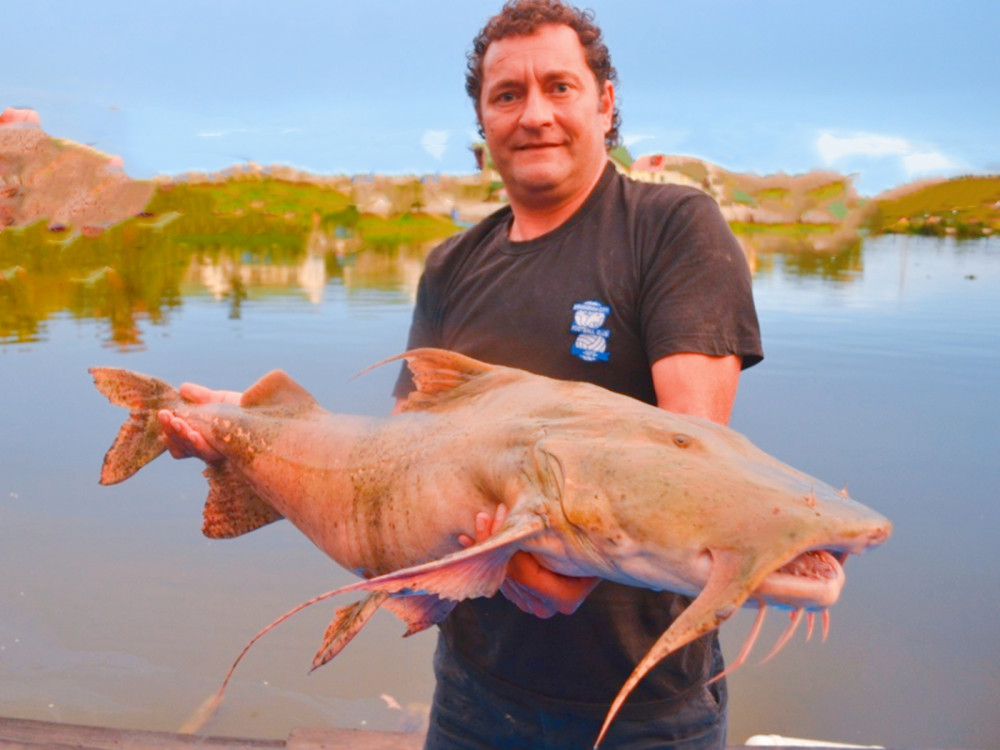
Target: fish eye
[[681, 440]]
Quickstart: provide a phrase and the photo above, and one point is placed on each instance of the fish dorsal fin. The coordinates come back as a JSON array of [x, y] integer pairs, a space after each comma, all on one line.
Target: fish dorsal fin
[[437, 373], [276, 389]]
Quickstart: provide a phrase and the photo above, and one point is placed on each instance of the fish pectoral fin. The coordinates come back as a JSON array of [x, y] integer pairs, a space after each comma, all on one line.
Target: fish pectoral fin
[[276, 389], [727, 588], [476, 571], [419, 612], [232, 507], [469, 573], [346, 623]]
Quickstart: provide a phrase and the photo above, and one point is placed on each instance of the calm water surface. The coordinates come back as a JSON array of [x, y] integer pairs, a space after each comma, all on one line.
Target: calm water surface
[[881, 373]]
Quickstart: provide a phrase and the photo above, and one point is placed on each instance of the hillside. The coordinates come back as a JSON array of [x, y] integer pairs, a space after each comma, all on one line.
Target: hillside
[[81, 190], [962, 207], [66, 183]]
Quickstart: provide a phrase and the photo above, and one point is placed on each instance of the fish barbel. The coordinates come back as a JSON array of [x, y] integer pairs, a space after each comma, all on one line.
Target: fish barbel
[[596, 483]]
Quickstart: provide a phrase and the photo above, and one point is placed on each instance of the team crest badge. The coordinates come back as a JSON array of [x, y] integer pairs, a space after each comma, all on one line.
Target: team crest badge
[[591, 342]]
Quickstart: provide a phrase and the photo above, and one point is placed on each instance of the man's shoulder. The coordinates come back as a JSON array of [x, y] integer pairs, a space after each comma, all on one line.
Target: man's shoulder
[[660, 194], [653, 206], [458, 246]]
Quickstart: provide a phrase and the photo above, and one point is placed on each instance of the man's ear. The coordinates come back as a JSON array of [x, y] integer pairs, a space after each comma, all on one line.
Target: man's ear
[[606, 100], [606, 104]]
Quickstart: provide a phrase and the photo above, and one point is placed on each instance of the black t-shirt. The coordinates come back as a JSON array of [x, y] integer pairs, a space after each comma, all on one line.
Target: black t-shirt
[[639, 272]]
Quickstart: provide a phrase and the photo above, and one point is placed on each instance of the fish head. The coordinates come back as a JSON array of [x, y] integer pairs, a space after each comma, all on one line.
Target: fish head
[[654, 500]]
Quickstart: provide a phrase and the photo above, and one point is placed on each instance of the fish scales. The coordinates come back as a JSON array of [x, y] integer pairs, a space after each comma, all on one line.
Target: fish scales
[[595, 484]]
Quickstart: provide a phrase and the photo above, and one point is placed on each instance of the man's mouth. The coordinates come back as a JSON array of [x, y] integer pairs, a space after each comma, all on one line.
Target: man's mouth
[[536, 146]]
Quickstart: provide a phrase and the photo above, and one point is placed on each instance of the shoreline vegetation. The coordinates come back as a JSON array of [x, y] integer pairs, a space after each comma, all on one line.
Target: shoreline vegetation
[[78, 235]]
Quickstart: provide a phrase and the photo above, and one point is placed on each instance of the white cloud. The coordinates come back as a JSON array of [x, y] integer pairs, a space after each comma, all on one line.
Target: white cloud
[[927, 161], [831, 148], [914, 159], [435, 143], [630, 140]]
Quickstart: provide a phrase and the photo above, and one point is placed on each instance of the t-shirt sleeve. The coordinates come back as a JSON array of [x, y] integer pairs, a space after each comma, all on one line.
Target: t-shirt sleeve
[[696, 293]]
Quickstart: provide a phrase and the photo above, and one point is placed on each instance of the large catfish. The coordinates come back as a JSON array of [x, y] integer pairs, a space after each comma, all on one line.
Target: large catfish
[[597, 484]]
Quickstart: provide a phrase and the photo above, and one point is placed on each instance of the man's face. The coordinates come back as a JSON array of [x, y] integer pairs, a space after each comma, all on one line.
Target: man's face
[[543, 115]]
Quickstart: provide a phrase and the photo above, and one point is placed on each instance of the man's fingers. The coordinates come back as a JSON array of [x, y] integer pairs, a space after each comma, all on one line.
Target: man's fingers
[[183, 441], [199, 394], [498, 519]]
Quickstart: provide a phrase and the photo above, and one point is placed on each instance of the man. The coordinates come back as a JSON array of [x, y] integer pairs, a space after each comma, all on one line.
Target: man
[[586, 276]]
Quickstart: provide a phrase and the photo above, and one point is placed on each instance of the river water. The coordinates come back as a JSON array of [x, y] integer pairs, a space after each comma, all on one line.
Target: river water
[[881, 374]]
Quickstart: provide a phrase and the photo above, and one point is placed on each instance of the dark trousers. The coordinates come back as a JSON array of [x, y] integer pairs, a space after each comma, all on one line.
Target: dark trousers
[[468, 715]]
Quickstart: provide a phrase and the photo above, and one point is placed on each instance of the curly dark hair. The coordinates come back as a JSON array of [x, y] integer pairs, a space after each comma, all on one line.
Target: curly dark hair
[[525, 17]]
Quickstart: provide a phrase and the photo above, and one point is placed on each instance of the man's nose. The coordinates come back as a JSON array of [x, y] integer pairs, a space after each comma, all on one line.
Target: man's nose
[[537, 110]]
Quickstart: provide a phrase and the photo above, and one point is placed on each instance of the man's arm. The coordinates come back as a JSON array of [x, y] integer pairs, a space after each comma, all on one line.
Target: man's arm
[[697, 384]]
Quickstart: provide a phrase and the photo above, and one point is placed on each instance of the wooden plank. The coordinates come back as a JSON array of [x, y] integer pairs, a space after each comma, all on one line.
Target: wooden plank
[[19, 734], [30, 734], [353, 739]]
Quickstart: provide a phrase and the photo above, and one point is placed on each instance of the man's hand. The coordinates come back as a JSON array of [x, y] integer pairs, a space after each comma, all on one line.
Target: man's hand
[[181, 439], [532, 587]]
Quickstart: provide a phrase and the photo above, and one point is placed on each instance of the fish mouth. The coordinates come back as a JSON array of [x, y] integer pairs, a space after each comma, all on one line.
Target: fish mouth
[[819, 564], [811, 580]]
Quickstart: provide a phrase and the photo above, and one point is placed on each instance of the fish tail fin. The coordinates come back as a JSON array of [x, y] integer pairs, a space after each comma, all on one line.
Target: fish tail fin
[[139, 439]]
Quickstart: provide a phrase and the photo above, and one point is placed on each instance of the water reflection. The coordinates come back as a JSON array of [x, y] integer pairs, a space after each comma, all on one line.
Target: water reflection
[[799, 256], [144, 269]]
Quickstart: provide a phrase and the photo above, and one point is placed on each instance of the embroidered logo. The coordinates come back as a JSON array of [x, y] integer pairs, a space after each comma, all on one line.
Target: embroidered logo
[[591, 343]]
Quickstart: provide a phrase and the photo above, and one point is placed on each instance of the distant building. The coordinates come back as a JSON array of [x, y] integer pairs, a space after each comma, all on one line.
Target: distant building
[[664, 169]]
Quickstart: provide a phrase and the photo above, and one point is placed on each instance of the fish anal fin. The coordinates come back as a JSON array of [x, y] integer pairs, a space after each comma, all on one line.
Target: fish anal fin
[[347, 622], [276, 389], [232, 507], [419, 612], [727, 588]]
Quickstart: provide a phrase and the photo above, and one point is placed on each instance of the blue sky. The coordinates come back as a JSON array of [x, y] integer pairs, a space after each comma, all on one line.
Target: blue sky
[[889, 91]]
